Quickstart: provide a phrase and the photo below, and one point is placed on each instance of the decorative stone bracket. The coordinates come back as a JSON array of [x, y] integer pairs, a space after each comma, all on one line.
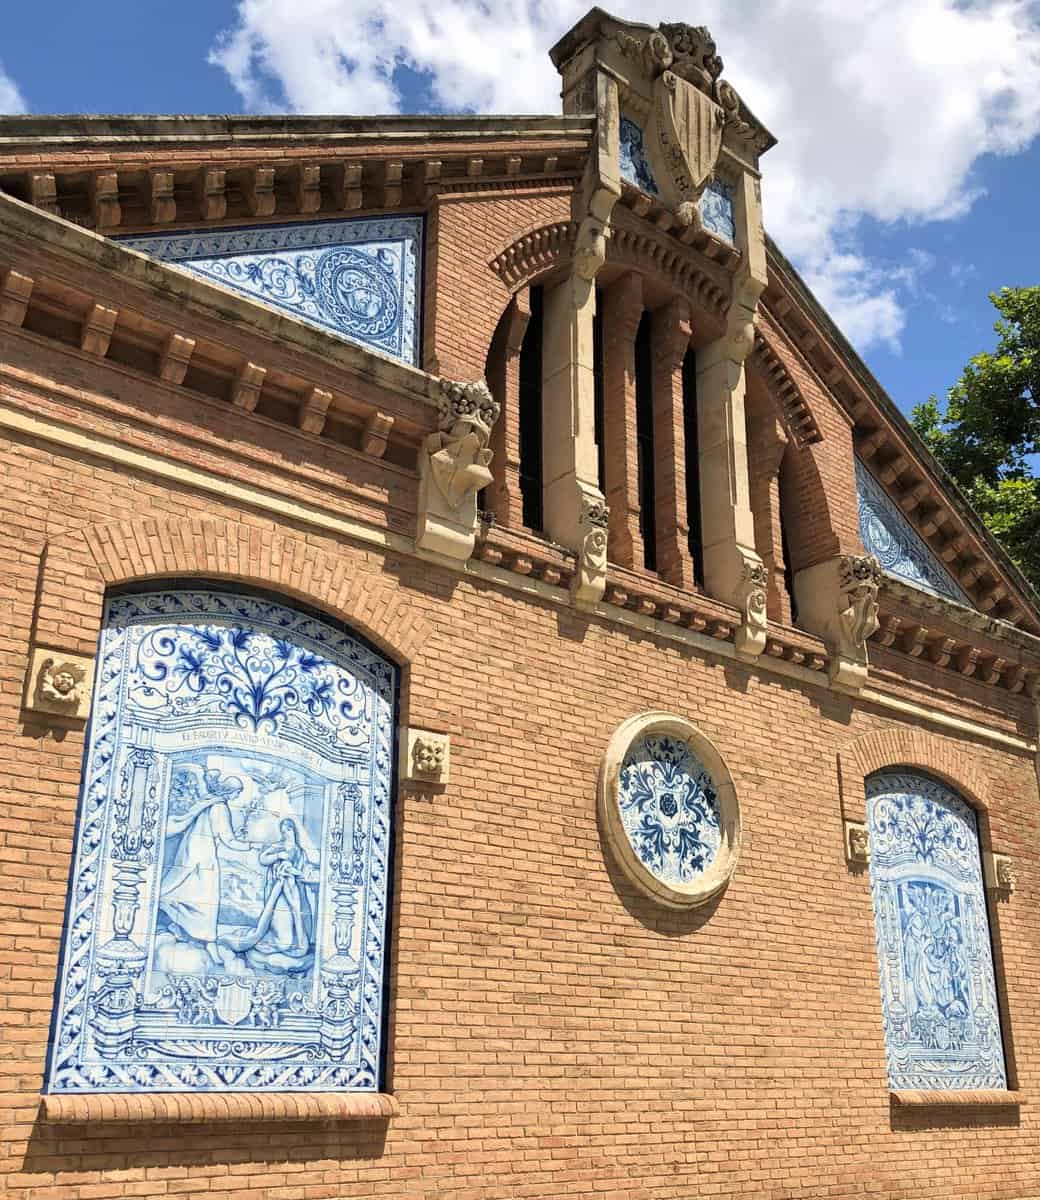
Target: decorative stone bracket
[[59, 684], [453, 467], [425, 757], [999, 871], [857, 844], [837, 600], [590, 579]]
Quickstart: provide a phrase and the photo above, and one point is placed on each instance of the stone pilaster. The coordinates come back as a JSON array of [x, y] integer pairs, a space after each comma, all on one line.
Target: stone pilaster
[[504, 497], [670, 339], [733, 571], [573, 505], [622, 310]]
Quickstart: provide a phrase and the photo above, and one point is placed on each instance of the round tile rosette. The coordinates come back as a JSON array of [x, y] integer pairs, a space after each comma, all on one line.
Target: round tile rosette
[[669, 809]]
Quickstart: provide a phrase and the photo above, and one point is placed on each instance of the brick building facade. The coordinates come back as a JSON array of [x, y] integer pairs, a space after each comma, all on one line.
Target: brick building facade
[[618, 780]]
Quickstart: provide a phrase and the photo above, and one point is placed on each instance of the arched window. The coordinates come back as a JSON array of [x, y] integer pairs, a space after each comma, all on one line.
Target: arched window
[[938, 992], [227, 909]]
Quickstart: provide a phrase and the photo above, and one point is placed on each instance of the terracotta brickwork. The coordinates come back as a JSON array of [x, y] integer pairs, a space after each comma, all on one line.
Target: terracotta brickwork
[[553, 1031]]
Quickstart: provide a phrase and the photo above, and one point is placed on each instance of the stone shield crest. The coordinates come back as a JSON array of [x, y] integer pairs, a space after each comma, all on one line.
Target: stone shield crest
[[689, 128]]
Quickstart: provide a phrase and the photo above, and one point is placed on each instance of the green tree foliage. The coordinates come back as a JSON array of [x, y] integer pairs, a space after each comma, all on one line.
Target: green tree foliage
[[989, 434]]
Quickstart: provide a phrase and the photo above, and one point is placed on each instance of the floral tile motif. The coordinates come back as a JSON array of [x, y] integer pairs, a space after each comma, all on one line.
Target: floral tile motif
[[669, 808], [359, 278], [228, 897], [635, 168], [897, 545], [938, 993]]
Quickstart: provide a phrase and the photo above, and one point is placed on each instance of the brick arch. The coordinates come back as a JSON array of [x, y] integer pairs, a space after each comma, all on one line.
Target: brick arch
[[914, 748], [80, 566]]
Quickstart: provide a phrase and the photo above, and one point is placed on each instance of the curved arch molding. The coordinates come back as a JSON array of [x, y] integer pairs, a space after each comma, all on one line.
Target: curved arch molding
[[226, 922]]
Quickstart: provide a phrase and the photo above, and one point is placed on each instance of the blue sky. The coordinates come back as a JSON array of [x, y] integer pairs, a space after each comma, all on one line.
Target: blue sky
[[904, 186]]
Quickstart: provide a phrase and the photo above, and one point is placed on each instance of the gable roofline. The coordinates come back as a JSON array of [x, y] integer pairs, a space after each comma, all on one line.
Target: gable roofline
[[84, 131], [944, 483]]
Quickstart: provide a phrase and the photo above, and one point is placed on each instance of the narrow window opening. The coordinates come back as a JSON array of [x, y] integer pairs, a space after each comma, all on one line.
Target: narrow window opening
[[645, 443], [597, 389], [531, 416], [786, 501], [693, 466]]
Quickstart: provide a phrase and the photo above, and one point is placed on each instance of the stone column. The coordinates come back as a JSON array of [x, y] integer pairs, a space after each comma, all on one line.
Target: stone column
[[670, 339], [622, 310], [733, 571], [503, 493]]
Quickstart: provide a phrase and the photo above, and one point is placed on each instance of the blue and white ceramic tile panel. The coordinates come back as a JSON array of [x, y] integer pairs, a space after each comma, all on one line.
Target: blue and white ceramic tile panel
[[900, 549], [669, 808], [359, 278], [635, 167], [938, 994], [716, 202], [227, 907], [716, 205]]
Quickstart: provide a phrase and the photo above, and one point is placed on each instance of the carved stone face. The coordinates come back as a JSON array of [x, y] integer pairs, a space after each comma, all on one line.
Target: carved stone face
[[63, 682]]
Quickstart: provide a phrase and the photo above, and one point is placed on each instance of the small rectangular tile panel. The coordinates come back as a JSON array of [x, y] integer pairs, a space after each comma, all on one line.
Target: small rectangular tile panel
[[360, 277]]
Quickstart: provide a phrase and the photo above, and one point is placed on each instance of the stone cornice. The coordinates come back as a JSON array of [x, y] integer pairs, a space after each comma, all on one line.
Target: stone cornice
[[897, 456], [34, 133], [39, 251]]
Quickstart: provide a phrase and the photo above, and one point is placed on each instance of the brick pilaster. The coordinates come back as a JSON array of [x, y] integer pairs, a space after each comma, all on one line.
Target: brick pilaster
[[622, 309], [670, 339], [504, 498]]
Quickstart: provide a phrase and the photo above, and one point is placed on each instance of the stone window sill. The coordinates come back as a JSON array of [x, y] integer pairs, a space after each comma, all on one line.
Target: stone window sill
[[958, 1099], [204, 1108]]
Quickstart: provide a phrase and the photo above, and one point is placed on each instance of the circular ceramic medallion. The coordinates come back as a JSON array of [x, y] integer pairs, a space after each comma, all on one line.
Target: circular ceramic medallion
[[669, 809], [358, 291]]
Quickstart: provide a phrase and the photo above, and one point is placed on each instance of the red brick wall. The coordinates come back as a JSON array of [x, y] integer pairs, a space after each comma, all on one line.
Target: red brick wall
[[553, 1033]]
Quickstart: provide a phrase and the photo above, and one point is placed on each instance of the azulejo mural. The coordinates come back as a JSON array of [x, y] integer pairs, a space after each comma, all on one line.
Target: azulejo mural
[[938, 993], [898, 547], [669, 808], [227, 907], [359, 278], [716, 202]]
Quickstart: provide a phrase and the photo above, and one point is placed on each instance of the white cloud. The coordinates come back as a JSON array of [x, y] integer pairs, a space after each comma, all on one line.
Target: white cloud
[[10, 97], [882, 109]]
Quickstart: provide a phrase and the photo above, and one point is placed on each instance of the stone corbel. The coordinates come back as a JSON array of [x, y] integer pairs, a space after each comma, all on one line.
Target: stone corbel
[[590, 577], [453, 467], [837, 600], [751, 599]]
